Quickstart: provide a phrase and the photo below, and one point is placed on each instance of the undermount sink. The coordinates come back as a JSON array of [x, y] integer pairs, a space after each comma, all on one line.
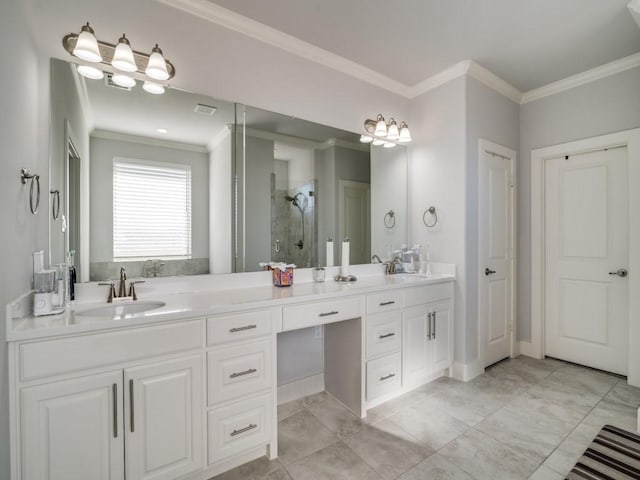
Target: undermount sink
[[120, 310]]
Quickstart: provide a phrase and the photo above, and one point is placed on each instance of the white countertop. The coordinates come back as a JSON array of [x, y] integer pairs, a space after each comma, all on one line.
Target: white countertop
[[212, 300]]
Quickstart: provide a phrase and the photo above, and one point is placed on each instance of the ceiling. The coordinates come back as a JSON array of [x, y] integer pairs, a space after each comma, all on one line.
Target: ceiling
[[528, 43]]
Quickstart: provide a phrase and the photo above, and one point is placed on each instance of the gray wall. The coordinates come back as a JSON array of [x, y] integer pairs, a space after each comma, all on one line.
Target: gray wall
[[65, 105], [325, 171], [102, 153], [609, 105], [437, 177], [22, 233], [490, 116]]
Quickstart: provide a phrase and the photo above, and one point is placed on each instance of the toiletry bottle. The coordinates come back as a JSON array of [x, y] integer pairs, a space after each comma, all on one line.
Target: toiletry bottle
[[72, 275]]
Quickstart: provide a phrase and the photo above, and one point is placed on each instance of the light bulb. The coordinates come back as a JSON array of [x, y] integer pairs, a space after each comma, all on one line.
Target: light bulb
[[381, 127], [157, 66], [87, 46], [366, 139], [123, 56], [392, 130], [405, 135], [389, 145], [90, 72], [377, 142], [123, 80], [152, 87]]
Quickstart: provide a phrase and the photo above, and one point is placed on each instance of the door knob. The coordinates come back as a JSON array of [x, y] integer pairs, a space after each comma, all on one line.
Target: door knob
[[488, 271], [621, 272]]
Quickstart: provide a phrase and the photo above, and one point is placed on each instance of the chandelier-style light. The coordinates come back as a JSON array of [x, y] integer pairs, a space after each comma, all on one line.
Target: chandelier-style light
[[379, 132], [151, 69]]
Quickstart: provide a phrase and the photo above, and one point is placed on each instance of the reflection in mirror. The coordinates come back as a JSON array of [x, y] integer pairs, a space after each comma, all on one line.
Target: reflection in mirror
[[304, 183], [172, 185]]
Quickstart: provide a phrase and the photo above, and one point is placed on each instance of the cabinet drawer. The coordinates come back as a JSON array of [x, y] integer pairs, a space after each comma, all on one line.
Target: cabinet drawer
[[384, 301], [235, 371], [383, 334], [241, 326], [383, 376], [239, 427], [54, 357], [318, 313], [427, 294]]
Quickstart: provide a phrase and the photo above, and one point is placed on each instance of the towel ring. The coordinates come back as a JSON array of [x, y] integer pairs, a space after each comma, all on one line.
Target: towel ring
[[55, 204], [432, 211], [35, 179], [390, 219]]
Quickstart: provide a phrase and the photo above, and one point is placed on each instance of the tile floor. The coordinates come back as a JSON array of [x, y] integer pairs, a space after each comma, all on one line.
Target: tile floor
[[521, 419]]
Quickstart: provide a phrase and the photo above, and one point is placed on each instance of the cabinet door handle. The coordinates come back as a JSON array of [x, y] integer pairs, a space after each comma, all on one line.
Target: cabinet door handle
[[433, 316], [387, 335], [131, 407], [384, 304], [429, 326], [387, 377], [251, 426], [240, 329], [245, 372], [114, 390], [327, 314]]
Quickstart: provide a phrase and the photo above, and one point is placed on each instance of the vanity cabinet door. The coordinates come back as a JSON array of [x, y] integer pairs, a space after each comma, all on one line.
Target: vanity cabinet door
[[441, 345], [163, 419], [73, 429], [415, 346]]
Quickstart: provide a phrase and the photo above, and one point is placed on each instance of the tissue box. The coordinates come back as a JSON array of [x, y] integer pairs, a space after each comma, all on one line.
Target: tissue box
[[282, 278]]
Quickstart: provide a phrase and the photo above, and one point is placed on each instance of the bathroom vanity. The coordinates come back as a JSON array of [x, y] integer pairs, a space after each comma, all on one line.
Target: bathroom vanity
[[189, 390]]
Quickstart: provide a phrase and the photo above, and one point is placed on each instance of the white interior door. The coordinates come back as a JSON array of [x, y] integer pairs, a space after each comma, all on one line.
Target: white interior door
[[163, 419], [496, 252], [586, 238], [355, 209]]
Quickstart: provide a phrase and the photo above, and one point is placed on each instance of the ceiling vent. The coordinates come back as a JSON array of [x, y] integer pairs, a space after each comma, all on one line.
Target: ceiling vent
[[205, 109], [108, 81]]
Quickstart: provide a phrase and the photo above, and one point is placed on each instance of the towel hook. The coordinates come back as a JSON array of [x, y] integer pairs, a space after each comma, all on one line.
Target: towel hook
[[390, 219], [431, 211], [35, 179]]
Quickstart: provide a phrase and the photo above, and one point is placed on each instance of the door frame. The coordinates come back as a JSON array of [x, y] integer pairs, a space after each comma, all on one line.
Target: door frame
[[490, 147], [630, 139]]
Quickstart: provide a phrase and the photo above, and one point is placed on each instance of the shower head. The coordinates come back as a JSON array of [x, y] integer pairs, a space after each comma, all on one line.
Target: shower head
[[294, 199]]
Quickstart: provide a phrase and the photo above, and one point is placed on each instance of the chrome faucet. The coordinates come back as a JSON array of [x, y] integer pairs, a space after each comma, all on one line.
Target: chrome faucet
[[122, 287], [376, 257]]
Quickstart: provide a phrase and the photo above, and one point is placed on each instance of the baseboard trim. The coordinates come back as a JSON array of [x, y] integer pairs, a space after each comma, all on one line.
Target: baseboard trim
[[527, 349], [300, 388], [467, 371]]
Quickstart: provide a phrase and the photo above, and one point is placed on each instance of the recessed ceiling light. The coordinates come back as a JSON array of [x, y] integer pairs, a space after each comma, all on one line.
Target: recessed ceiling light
[[162, 130]]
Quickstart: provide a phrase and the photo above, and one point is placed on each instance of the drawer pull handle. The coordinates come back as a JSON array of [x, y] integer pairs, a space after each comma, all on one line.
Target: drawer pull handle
[[327, 314], [115, 410], [240, 374], [387, 377], [384, 304], [387, 335], [240, 329], [251, 426], [132, 422]]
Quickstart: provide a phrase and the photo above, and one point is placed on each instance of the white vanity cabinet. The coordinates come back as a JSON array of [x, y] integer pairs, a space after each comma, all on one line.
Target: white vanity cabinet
[[427, 333]]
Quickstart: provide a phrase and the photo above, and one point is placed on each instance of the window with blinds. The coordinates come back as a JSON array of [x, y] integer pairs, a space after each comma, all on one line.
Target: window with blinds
[[151, 210]]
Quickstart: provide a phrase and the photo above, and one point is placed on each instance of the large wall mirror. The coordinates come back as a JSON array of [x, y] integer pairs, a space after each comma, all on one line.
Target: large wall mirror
[[180, 183]]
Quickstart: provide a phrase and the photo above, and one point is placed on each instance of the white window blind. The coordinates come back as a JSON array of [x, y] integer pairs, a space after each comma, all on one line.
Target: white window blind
[[151, 209]]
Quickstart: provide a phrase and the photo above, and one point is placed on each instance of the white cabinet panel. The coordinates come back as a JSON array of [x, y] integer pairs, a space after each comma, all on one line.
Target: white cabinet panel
[[73, 429], [384, 301], [239, 427], [235, 371], [317, 313], [441, 345], [383, 376], [414, 345], [241, 326], [384, 333], [164, 419], [424, 294]]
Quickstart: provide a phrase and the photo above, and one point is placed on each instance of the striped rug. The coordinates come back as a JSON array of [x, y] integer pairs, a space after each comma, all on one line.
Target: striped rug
[[613, 455]]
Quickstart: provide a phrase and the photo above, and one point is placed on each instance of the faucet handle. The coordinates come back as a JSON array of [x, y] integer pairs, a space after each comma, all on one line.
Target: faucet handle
[[132, 288], [112, 289]]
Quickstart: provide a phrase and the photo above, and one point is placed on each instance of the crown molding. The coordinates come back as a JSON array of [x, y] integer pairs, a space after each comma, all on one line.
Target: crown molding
[[617, 66], [434, 81], [155, 142], [259, 31], [493, 81]]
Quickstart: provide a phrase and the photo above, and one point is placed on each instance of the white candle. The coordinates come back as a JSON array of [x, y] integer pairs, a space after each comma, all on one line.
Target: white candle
[[329, 253], [344, 268]]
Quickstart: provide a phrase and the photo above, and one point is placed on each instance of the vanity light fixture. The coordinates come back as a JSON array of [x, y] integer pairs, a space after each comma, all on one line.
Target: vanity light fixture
[[103, 57], [379, 132]]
